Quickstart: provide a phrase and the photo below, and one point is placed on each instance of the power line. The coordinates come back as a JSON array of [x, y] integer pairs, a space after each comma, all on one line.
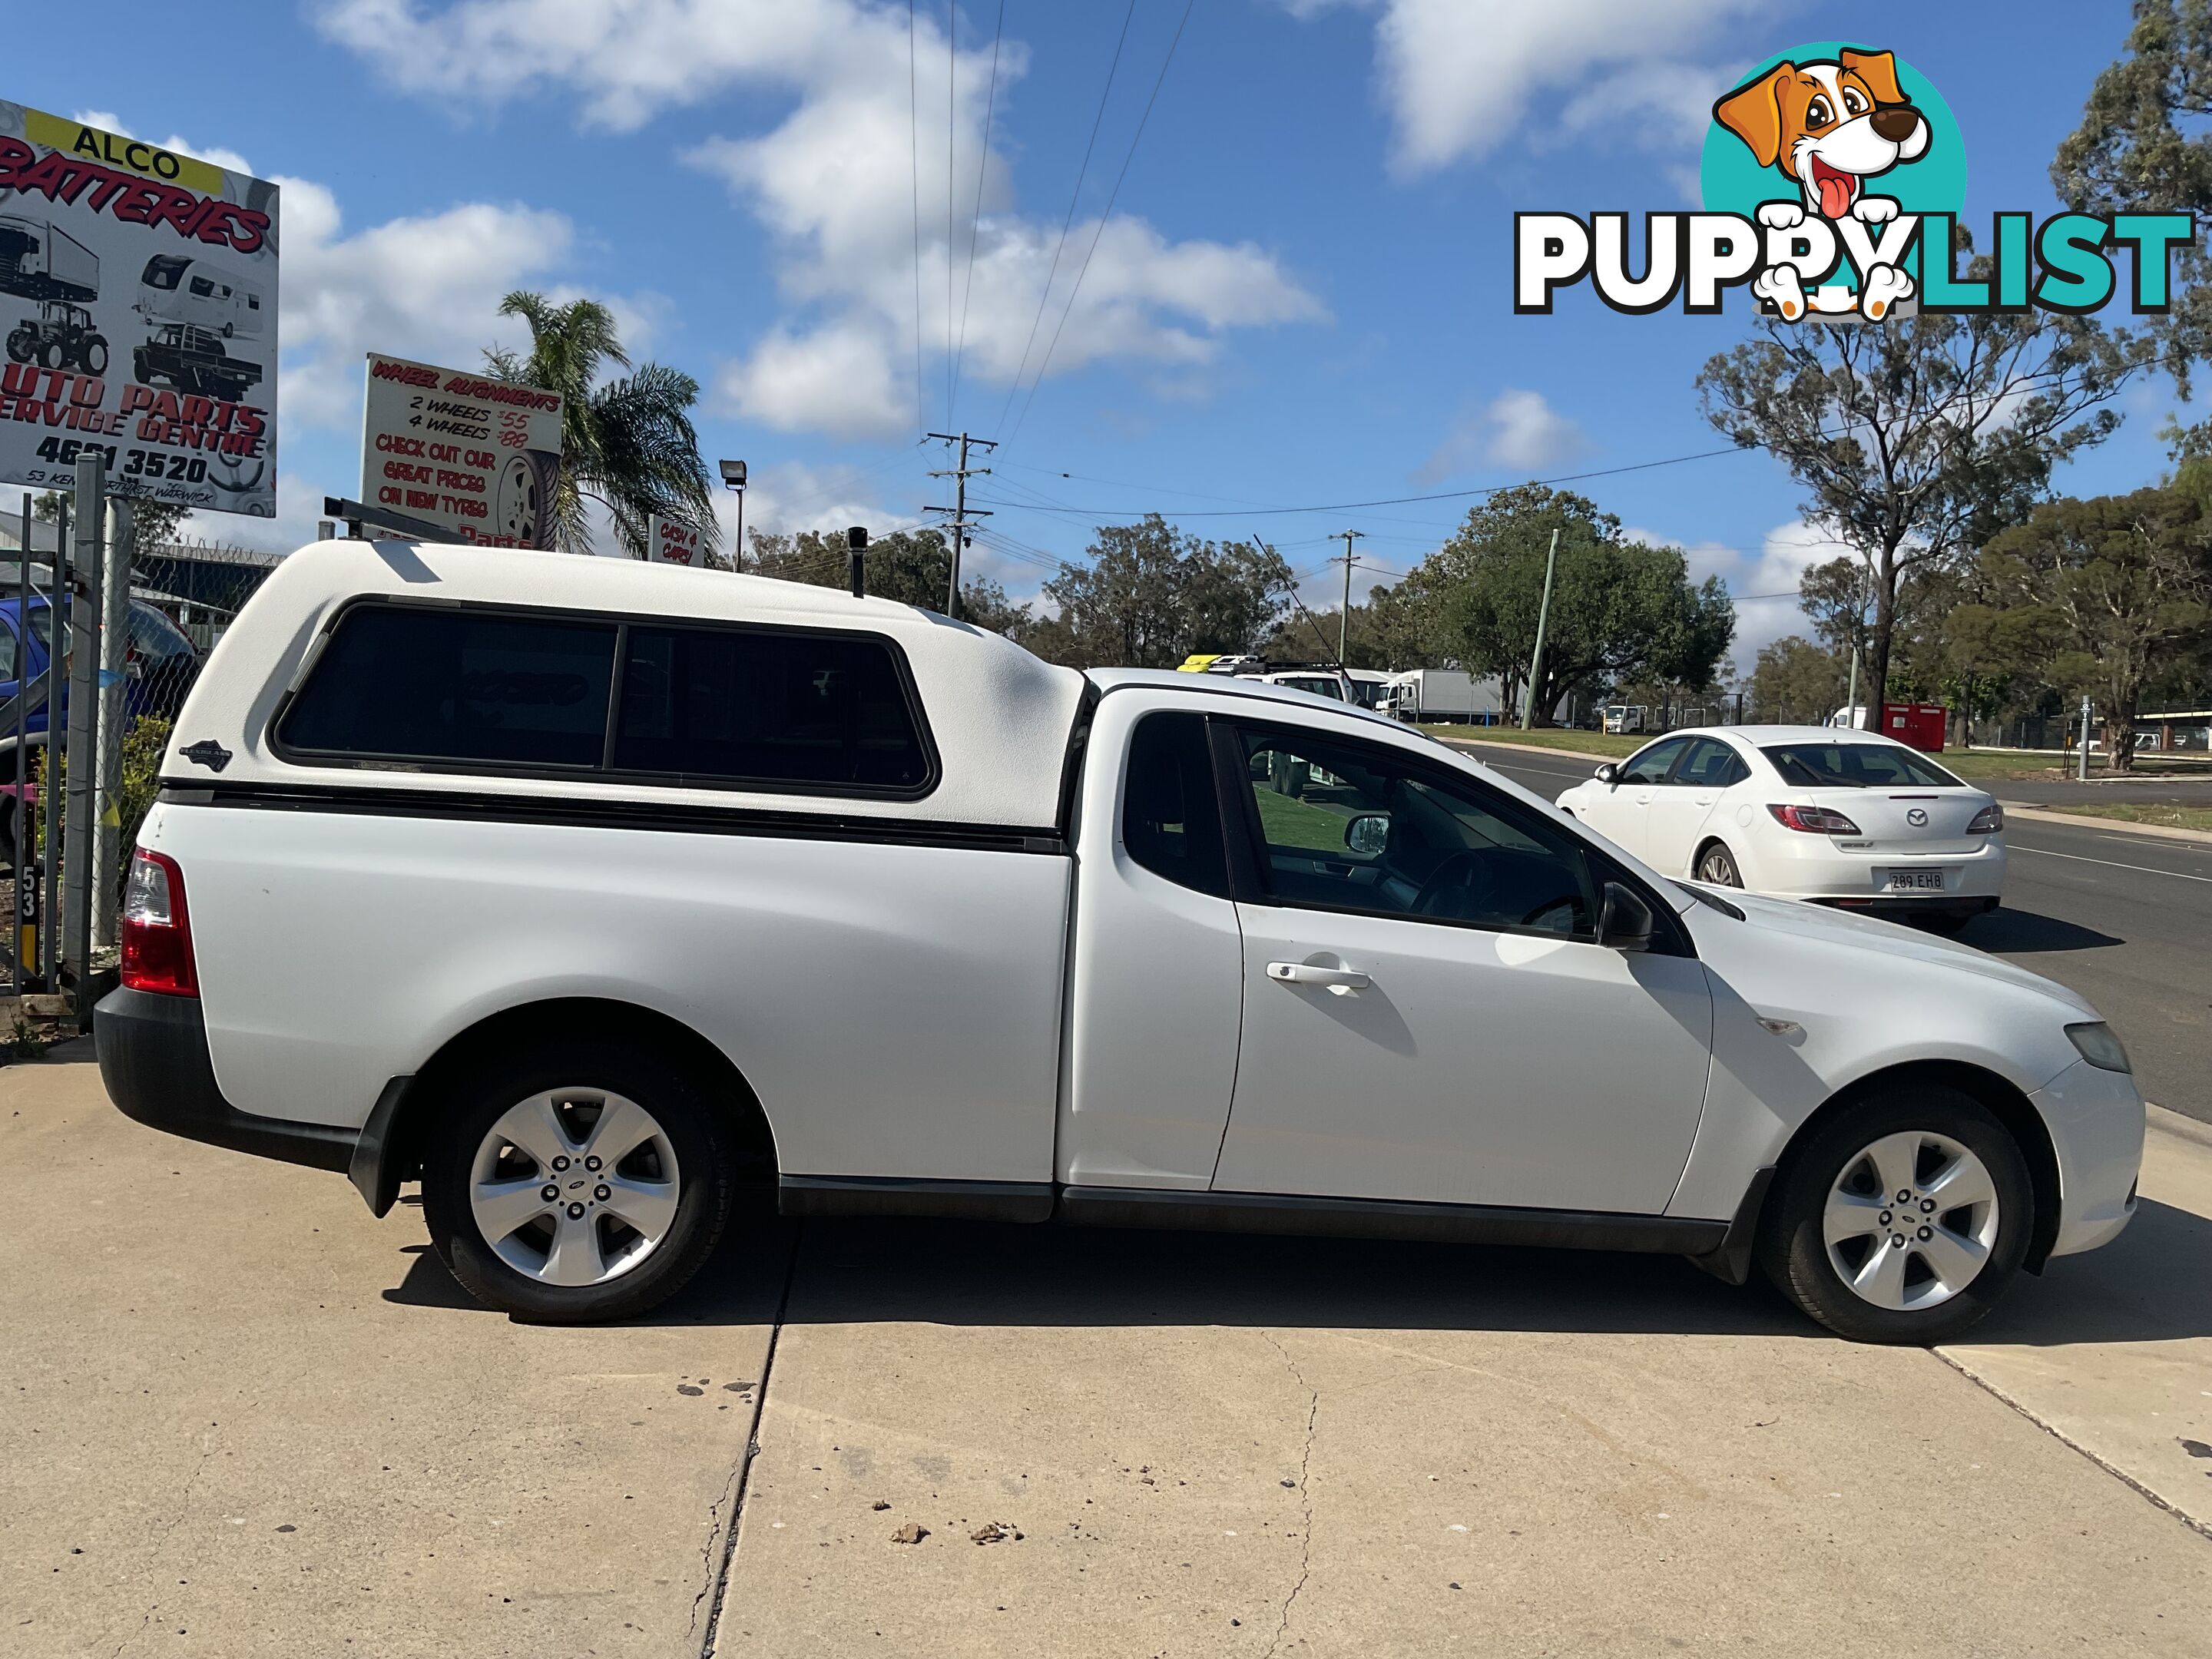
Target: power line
[[1074, 195], [1135, 138], [976, 221], [1400, 500], [914, 167]]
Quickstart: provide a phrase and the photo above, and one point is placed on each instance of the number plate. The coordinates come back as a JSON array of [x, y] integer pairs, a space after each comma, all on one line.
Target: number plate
[[1916, 881]]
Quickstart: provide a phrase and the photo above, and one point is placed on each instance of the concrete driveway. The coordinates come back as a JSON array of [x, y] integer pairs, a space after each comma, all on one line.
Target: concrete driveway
[[244, 1419]]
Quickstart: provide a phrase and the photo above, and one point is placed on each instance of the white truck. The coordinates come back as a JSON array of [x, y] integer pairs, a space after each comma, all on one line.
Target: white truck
[[603, 897], [1440, 694]]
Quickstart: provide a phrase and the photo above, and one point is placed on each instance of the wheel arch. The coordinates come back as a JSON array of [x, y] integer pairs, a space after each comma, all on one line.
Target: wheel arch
[[393, 1141], [1706, 843], [2004, 1101]]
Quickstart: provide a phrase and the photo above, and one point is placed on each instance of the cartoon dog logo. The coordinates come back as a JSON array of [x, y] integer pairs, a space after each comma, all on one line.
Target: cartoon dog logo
[[1829, 125]]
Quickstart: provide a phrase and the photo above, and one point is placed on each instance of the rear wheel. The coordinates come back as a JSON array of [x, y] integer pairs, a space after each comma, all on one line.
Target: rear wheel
[[1717, 865], [95, 355], [586, 1183], [1903, 1220]]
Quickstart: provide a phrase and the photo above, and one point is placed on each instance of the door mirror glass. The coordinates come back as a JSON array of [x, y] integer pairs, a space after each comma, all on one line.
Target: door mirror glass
[[1608, 772], [1367, 833], [1624, 921]]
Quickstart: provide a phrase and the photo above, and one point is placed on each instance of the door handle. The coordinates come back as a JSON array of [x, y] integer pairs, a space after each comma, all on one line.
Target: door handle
[[1340, 982]]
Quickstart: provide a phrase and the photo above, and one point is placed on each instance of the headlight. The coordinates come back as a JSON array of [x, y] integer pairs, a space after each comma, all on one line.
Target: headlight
[[2099, 1046]]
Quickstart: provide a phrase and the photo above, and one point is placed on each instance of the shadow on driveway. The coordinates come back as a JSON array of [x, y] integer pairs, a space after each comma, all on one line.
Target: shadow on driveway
[[2148, 1285]]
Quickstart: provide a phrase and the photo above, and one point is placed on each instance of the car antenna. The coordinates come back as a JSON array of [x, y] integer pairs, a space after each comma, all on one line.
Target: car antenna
[[1350, 696]]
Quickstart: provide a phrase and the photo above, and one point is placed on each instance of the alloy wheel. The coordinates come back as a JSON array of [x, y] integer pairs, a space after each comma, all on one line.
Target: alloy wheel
[[1718, 868], [575, 1187], [1910, 1220]]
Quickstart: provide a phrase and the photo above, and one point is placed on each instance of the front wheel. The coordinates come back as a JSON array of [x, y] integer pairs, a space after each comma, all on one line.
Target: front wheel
[[588, 1182], [20, 345], [1903, 1220]]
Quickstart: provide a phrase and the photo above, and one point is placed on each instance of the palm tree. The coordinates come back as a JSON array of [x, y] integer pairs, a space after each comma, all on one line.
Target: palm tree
[[627, 443]]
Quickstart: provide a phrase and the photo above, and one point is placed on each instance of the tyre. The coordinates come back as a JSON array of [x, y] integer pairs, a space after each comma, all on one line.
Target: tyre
[[21, 342], [94, 352], [587, 1181], [52, 354], [1716, 865], [1903, 1220]]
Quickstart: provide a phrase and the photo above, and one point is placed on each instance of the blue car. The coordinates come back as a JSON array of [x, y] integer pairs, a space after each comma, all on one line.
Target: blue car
[[159, 666]]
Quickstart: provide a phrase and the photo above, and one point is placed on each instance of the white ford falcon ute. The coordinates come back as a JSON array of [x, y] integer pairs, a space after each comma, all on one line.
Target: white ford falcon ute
[[604, 897]]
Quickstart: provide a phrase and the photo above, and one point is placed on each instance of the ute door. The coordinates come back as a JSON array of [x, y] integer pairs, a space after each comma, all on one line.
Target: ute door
[[1158, 957], [1427, 1014]]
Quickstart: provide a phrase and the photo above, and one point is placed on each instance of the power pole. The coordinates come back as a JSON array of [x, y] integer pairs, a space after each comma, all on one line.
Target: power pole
[[1543, 621], [960, 475], [1344, 617]]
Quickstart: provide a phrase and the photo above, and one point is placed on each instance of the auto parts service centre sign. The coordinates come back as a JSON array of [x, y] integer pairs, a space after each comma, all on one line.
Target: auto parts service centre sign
[[138, 305]]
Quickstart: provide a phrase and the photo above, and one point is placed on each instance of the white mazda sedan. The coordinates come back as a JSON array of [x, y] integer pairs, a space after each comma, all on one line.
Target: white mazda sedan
[[1841, 817]]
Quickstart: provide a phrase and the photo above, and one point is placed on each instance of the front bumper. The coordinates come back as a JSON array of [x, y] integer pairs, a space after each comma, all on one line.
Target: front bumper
[[2096, 1123], [153, 1059]]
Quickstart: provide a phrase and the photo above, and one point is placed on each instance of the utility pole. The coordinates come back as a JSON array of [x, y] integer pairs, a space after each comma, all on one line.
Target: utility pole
[[1543, 621], [1344, 617], [960, 475]]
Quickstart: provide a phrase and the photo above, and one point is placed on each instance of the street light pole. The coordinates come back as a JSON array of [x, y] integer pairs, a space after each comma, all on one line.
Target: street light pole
[[1543, 621]]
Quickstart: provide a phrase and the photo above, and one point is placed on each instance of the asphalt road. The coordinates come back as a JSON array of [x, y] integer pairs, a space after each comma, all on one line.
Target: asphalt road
[[2124, 919]]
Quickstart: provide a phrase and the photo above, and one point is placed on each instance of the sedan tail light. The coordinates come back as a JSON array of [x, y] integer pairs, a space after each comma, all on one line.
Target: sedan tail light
[[1987, 821], [157, 931], [1814, 820]]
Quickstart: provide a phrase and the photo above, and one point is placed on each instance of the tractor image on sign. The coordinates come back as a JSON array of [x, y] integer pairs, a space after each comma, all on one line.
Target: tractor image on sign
[[53, 269]]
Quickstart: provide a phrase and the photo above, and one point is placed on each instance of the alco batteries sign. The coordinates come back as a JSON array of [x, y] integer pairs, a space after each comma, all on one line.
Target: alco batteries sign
[[478, 457], [139, 304]]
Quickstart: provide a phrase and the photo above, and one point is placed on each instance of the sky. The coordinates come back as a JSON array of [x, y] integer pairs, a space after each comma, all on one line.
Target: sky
[[1215, 258]]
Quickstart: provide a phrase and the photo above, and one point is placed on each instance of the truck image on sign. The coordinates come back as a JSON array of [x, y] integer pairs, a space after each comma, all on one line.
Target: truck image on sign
[[39, 262]]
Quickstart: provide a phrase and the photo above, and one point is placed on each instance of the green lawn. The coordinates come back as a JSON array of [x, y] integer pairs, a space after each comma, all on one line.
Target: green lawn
[[1310, 824], [2170, 817]]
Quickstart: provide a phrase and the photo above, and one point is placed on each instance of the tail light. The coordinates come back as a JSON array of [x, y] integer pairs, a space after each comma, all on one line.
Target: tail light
[[1987, 821], [157, 930], [1814, 820]]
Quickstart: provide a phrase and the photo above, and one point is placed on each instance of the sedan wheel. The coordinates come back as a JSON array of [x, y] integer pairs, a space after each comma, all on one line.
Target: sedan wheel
[[1717, 867], [1902, 1219]]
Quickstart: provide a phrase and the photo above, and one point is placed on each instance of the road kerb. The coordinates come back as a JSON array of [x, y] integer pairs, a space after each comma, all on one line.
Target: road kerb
[[2157, 831]]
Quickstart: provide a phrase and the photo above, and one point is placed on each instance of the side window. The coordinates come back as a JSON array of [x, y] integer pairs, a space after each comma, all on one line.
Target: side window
[[769, 707], [1353, 826], [7, 652], [1651, 765], [1170, 813], [1710, 764], [447, 685]]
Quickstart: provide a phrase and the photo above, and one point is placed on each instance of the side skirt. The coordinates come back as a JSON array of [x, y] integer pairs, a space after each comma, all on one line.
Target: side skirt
[[1259, 1212]]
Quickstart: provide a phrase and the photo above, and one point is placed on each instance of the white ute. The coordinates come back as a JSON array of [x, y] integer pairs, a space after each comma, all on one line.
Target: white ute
[[602, 897]]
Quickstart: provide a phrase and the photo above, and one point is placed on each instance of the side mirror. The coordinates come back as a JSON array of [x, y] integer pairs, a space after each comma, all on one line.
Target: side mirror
[[1607, 774], [1625, 921], [1367, 833]]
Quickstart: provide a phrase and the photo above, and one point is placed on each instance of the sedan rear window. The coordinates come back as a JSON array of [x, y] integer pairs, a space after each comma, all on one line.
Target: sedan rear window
[[1857, 766]]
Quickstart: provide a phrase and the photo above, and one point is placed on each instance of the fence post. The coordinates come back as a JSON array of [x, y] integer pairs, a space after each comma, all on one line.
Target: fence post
[[83, 633], [114, 716]]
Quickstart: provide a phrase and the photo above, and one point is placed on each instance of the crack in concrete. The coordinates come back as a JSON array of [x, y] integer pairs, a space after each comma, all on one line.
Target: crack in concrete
[[176, 1519], [2065, 1439], [733, 1492], [1305, 1495]]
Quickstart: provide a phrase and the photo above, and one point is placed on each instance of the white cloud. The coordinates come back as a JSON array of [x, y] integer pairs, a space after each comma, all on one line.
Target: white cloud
[[1462, 80], [834, 183], [426, 287], [1518, 429], [1763, 580]]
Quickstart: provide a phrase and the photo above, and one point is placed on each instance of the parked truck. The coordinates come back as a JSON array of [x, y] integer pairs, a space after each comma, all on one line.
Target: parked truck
[[1440, 694], [604, 898]]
